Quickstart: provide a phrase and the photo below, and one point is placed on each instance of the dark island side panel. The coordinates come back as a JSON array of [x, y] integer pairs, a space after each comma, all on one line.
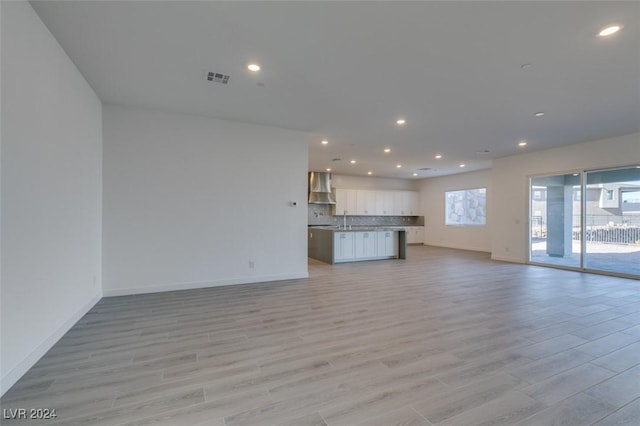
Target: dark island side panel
[[321, 244]]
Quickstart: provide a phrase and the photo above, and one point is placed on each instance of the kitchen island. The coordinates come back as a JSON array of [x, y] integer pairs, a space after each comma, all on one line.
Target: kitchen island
[[332, 244]]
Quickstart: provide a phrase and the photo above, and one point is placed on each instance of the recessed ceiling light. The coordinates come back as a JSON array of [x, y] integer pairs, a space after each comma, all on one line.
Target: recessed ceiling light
[[328, 169], [324, 142], [609, 30], [539, 114], [253, 67], [387, 150], [522, 143], [369, 173], [398, 165], [576, 174], [415, 174], [463, 165], [400, 121], [438, 156], [353, 161]]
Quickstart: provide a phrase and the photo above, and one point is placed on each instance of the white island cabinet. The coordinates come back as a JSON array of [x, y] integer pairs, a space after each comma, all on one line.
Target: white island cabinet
[[330, 245], [387, 243], [366, 245], [343, 246]]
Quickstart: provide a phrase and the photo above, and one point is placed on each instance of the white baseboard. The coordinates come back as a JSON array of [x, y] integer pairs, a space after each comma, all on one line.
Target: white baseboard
[[29, 361], [200, 284], [507, 259], [481, 249]]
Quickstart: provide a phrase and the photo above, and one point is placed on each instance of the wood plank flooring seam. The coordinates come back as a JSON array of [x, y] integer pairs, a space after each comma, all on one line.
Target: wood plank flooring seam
[[392, 336]]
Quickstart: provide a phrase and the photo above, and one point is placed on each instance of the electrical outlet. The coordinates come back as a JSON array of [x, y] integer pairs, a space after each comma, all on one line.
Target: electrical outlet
[[252, 264]]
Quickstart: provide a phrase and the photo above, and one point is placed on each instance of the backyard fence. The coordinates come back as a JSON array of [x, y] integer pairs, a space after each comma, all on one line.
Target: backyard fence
[[599, 228], [610, 234]]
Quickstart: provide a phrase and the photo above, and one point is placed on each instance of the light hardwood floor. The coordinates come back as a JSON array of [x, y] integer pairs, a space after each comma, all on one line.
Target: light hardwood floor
[[445, 337]]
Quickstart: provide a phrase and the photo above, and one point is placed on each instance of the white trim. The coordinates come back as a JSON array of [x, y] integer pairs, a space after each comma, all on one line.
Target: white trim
[[200, 284], [365, 259], [453, 246], [30, 360], [508, 259]]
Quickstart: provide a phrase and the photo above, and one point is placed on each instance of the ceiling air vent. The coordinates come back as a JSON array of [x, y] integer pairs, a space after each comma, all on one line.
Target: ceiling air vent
[[218, 78], [425, 169]]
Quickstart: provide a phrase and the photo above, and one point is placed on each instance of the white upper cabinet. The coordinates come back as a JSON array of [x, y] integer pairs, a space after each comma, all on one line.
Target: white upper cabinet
[[346, 202], [380, 202], [358, 202], [366, 203], [413, 203], [408, 203], [384, 203]]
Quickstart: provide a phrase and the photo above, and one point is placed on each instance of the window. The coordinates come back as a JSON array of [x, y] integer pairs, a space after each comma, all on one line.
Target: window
[[537, 195], [466, 208], [631, 204], [608, 195]]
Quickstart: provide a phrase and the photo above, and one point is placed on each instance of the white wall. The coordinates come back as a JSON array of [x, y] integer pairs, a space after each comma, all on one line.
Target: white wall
[[189, 201], [432, 205], [359, 182], [51, 192], [509, 177]]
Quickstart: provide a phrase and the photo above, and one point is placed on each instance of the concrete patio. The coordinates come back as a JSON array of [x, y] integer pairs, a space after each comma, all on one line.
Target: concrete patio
[[611, 257]]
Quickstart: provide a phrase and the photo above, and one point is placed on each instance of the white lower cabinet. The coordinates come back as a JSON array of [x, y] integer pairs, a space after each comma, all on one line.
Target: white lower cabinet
[[415, 234], [387, 243], [366, 245], [343, 246]]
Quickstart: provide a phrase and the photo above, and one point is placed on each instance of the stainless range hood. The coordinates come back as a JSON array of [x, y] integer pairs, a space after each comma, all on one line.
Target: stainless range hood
[[320, 188]]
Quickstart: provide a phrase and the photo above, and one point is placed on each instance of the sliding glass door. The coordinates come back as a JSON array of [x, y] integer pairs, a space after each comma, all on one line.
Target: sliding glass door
[[612, 226], [587, 221]]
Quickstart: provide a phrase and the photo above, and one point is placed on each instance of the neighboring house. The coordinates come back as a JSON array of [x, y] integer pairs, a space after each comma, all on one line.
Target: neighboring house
[[607, 204]]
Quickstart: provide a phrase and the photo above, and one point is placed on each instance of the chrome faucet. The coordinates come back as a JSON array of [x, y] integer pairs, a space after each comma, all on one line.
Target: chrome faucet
[[345, 220]]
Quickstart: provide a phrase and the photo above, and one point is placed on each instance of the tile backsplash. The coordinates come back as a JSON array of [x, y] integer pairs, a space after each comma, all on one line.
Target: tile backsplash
[[320, 214]]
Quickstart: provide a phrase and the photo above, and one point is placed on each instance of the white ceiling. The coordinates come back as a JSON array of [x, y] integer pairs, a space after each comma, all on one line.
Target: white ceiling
[[345, 71]]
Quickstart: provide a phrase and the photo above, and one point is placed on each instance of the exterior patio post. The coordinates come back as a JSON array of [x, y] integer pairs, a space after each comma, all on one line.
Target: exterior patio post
[[559, 220]]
